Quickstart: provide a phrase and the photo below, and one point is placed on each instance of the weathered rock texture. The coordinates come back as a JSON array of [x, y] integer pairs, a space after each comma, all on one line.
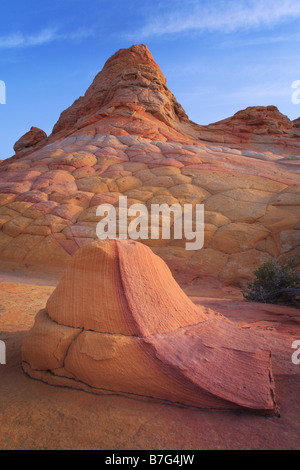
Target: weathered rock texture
[[260, 127], [128, 136], [119, 323], [30, 141]]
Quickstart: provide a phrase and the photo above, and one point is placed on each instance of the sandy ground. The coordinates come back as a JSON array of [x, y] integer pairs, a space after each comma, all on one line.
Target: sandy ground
[[39, 416]]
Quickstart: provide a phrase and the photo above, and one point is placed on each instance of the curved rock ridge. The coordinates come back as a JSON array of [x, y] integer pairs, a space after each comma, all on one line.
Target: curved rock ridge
[[128, 136], [119, 323], [258, 127]]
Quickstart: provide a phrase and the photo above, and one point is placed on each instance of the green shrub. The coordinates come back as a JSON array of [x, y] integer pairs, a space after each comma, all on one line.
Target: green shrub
[[271, 281]]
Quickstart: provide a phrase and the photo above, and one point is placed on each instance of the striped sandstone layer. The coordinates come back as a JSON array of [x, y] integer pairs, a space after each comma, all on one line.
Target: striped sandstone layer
[[119, 323]]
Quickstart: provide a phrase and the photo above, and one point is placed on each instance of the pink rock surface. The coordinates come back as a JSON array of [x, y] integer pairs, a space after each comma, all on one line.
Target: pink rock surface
[[35, 137], [119, 323], [129, 136]]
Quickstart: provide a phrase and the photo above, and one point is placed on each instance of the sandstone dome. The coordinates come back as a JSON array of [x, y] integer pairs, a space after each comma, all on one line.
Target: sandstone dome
[[118, 323], [128, 136]]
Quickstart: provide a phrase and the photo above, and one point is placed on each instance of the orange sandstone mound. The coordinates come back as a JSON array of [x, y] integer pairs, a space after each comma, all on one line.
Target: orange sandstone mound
[[30, 141], [119, 323], [128, 136]]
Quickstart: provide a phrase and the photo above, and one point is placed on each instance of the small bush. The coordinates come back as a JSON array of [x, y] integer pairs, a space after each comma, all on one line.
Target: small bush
[[273, 281]]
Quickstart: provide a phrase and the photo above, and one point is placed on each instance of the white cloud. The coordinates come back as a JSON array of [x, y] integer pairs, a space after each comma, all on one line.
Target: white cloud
[[19, 40], [225, 16]]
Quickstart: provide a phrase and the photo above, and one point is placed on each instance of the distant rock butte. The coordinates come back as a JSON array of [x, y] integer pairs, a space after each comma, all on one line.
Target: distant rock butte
[[258, 127], [129, 136], [119, 323]]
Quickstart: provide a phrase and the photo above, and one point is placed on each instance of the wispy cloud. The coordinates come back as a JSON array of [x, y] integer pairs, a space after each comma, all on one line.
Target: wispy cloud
[[224, 16], [262, 40], [45, 36]]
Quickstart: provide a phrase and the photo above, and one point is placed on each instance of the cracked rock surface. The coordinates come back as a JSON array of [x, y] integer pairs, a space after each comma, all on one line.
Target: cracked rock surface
[[128, 136]]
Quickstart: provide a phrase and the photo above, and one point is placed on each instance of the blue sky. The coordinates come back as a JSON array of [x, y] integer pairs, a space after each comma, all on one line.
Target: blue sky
[[218, 56]]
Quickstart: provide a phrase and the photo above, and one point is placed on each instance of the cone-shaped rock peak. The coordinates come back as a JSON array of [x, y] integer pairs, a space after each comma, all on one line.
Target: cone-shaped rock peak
[[130, 82]]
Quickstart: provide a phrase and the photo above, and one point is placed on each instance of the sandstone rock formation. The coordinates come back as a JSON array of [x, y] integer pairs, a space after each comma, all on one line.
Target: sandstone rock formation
[[119, 323], [258, 128], [128, 136]]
